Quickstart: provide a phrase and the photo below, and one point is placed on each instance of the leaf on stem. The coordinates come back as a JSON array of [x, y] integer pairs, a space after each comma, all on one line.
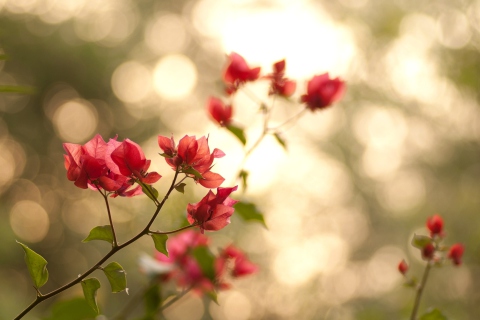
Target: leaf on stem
[[280, 140], [100, 233], [206, 261], [213, 296], [243, 175], [160, 241], [249, 212], [434, 314], [150, 191], [37, 266], [181, 187], [116, 276], [90, 287], [75, 309], [194, 172], [420, 241], [237, 132]]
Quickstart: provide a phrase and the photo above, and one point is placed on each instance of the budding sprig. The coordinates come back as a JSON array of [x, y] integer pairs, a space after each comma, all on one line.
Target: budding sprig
[[322, 92], [434, 252]]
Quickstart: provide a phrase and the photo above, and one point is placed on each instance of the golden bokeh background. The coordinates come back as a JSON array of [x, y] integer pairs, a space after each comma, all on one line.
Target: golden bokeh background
[[358, 180]]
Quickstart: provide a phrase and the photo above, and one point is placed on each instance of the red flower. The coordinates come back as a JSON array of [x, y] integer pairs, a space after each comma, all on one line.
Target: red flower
[[238, 72], [323, 92], [456, 253], [242, 266], [428, 251], [213, 212], [280, 85], [435, 225], [192, 154], [128, 159], [403, 267], [221, 113], [85, 164]]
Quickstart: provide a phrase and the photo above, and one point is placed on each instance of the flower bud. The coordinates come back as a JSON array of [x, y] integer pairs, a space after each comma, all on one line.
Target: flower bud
[[456, 253], [435, 225], [403, 267]]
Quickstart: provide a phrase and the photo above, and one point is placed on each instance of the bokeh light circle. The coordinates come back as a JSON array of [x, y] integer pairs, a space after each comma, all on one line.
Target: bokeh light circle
[[174, 77]]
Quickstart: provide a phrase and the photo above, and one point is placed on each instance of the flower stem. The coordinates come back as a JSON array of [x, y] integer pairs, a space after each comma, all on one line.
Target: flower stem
[[420, 288], [105, 197], [114, 250]]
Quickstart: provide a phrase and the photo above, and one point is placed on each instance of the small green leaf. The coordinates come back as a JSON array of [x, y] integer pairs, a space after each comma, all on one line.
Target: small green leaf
[[206, 261], [249, 212], [75, 309], [37, 266], [160, 241], [237, 132], [150, 191], [165, 155], [152, 299], [243, 175], [90, 287], [194, 172], [420, 241], [116, 276], [434, 314], [17, 89], [280, 140], [213, 296], [100, 233], [411, 283], [181, 187]]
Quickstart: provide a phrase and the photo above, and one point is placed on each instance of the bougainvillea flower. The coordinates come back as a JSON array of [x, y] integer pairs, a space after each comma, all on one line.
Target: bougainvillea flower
[[455, 253], [130, 161], [323, 92], [403, 267], [85, 164], [219, 112], [279, 84], [238, 72], [428, 251], [192, 153], [241, 265], [435, 225], [213, 212]]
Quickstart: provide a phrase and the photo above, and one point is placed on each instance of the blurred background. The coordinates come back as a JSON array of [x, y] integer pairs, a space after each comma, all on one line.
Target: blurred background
[[358, 180]]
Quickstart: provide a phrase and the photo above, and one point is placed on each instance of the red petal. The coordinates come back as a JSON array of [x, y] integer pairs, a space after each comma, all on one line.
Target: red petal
[[211, 180]]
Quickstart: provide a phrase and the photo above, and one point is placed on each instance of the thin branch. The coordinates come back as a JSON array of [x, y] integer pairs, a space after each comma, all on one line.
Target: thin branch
[[105, 197], [172, 301], [420, 288]]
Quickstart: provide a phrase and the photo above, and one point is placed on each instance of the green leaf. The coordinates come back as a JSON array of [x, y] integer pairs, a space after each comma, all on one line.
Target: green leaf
[[150, 191], [90, 287], [17, 89], [243, 175], [100, 233], [280, 140], [434, 314], [194, 172], [420, 241], [213, 296], [206, 261], [152, 299], [116, 276], [75, 309], [249, 212], [237, 132], [181, 187], [37, 266], [160, 241], [165, 155]]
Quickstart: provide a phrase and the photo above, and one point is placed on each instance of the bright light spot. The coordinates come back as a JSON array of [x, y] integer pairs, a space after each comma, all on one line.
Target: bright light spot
[[29, 221], [20, 6], [131, 82], [419, 26], [58, 11], [81, 216], [382, 274], [166, 33], [341, 286], [174, 77], [453, 29], [354, 3], [75, 121], [403, 192], [236, 306], [296, 264], [304, 35], [7, 167]]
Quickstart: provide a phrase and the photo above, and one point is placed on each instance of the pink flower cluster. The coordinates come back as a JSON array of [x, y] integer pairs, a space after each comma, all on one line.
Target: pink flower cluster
[[114, 166], [182, 266], [322, 91]]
